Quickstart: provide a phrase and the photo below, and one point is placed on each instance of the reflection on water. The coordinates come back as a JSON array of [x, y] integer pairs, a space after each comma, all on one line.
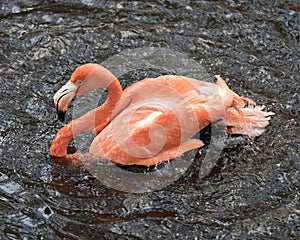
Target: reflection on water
[[253, 192]]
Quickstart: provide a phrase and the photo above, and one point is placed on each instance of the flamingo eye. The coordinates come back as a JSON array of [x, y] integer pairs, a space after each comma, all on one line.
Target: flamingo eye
[[79, 82]]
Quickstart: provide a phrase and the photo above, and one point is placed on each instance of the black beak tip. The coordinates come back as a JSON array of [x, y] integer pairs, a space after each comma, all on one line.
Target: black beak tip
[[61, 115]]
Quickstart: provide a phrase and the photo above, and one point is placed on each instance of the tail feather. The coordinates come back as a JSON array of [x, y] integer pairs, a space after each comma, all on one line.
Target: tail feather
[[250, 121], [242, 116]]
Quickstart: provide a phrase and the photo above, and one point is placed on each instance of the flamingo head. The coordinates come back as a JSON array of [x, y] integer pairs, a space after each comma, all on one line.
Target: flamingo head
[[84, 79]]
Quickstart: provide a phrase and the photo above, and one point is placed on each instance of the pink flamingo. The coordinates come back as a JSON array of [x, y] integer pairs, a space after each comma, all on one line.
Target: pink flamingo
[[153, 120]]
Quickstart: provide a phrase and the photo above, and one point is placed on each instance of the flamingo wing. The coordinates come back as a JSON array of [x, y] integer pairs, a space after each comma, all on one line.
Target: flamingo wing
[[152, 122]]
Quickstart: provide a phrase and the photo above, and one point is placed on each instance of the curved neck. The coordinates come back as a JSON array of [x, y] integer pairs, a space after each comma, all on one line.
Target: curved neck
[[113, 87], [94, 120], [99, 117], [114, 94]]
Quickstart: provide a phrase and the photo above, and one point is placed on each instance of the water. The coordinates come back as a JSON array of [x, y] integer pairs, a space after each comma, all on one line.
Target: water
[[252, 192]]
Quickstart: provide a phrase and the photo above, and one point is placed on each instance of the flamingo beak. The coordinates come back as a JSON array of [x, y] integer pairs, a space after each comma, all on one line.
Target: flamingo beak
[[63, 97], [60, 115]]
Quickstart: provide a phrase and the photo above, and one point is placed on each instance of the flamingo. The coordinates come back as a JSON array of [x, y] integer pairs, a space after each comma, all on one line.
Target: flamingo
[[155, 119]]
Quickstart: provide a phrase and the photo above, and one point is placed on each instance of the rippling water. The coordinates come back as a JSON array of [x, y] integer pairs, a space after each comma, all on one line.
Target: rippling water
[[252, 193]]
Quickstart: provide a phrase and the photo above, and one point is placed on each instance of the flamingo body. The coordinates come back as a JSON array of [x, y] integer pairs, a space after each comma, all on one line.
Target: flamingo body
[[155, 119]]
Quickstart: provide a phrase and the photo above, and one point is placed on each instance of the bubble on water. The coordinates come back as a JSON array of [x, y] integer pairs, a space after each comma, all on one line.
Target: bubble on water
[[46, 211], [88, 2], [10, 187], [16, 9]]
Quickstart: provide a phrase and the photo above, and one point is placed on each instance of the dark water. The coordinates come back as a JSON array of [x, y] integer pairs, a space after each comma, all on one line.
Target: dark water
[[252, 193]]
